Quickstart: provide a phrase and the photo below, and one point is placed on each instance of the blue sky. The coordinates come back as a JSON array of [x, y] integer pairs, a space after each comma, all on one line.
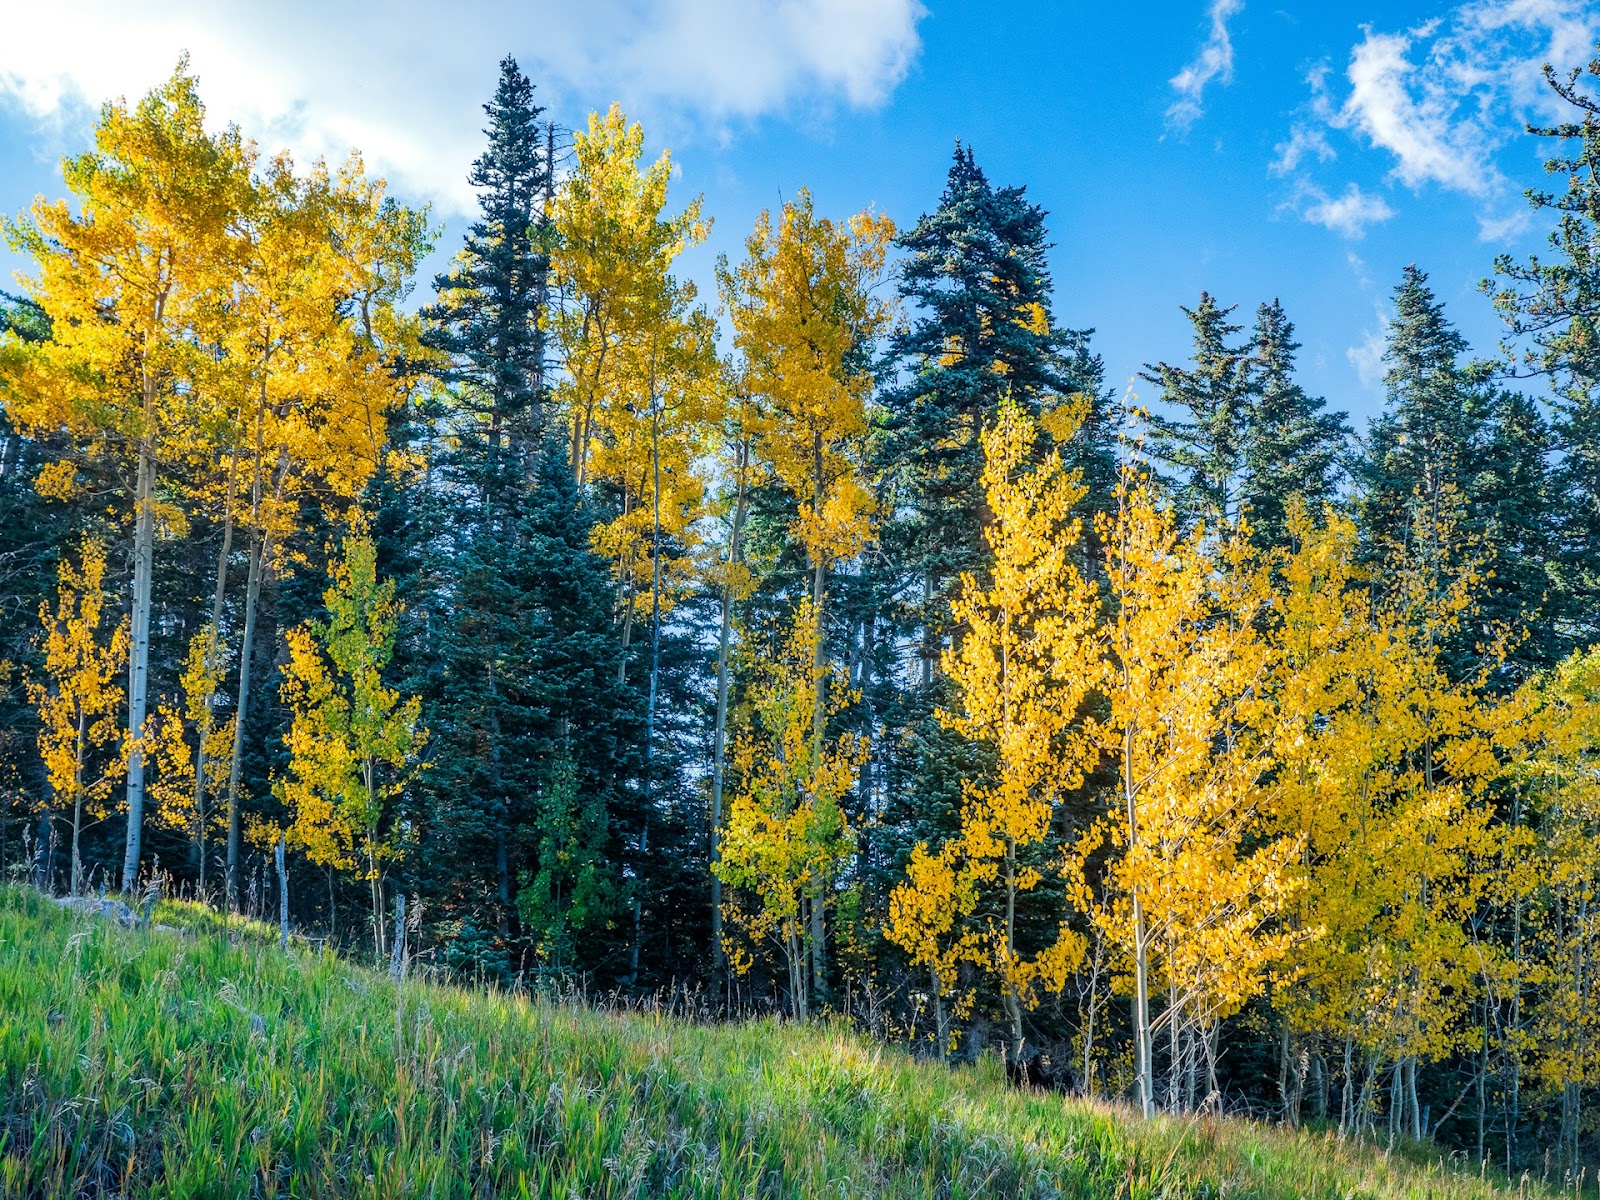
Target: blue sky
[[1299, 150]]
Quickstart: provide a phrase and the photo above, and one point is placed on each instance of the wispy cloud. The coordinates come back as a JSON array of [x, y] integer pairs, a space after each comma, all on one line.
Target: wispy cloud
[[1405, 109], [1304, 142], [1366, 356], [321, 78], [1438, 102], [1348, 214], [1214, 60]]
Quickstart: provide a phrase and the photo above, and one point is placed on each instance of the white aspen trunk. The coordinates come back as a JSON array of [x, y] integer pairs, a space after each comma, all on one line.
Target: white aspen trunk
[[719, 741], [144, 539], [283, 894], [240, 713], [1141, 959], [397, 960], [819, 584], [212, 654]]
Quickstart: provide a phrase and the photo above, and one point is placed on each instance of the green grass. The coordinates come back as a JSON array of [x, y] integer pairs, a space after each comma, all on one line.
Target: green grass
[[163, 1064]]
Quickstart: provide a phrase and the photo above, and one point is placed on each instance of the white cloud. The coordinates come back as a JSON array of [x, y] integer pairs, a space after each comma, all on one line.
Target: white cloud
[[1366, 357], [1304, 141], [1442, 98], [1439, 102], [1408, 113], [1348, 214], [322, 78], [1214, 60]]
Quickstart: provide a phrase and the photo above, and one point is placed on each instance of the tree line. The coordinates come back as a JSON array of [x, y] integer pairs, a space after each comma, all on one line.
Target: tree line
[[840, 644]]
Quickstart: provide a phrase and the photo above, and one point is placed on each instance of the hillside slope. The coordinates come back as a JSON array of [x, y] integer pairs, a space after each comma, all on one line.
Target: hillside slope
[[152, 1063]]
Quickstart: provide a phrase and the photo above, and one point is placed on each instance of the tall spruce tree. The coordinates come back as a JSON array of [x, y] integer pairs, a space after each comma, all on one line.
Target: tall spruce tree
[[1421, 446], [1552, 310], [486, 316], [1292, 445], [525, 703], [524, 619], [1451, 451], [978, 289], [1201, 438]]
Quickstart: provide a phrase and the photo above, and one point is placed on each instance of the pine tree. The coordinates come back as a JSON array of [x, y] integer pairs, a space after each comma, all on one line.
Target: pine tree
[[486, 318], [1433, 412], [508, 545], [1553, 307], [1451, 448], [977, 288], [1292, 446], [523, 680], [1202, 440]]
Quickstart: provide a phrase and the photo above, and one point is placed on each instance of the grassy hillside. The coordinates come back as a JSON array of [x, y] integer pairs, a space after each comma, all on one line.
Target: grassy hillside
[[135, 1064]]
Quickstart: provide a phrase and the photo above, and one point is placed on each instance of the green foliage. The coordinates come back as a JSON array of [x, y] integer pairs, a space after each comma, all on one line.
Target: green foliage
[[158, 1063]]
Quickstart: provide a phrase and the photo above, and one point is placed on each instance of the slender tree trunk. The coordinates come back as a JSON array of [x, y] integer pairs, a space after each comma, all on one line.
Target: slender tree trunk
[[144, 535], [212, 654], [655, 676], [240, 715], [819, 585], [719, 742], [1141, 958], [283, 893], [1012, 1000], [397, 960], [795, 946], [77, 802]]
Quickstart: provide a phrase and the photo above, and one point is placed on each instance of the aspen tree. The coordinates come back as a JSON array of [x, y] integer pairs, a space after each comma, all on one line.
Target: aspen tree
[[1390, 798], [804, 318], [190, 749], [787, 831], [324, 258], [129, 282], [611, 266], [79, 703], [1028, 660], [1564, 919], [643, 382], [734, 581], [1194, 891], [353, 741]]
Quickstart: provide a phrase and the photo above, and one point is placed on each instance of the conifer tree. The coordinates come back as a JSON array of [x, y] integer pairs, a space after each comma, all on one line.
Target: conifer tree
[[1423, 442], [978, 294], [522, 679], [1551, 306], [1451, 449], [1202, 439], [486, 318], [1292, 446]]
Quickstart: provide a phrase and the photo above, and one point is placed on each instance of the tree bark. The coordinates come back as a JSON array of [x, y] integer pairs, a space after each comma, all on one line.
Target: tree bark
[[719, 740], [1141, 968], [240, 715], [283, 894], [144, 534]]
